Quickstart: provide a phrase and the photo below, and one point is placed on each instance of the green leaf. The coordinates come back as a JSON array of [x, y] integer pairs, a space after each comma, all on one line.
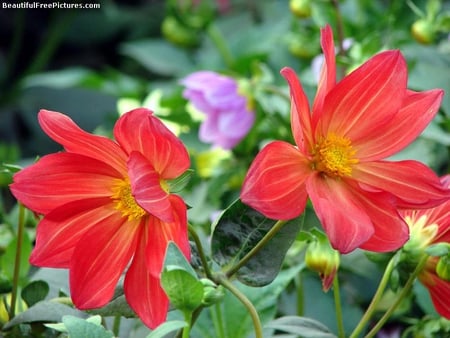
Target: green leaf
[[306, 327], [184, 290], [81, 328], [174, 257], [167, 327], [44, 311], [158, 56], [180, 182], [235, 318], [238, 230], [116, 307], [8, 259], [35, 292]]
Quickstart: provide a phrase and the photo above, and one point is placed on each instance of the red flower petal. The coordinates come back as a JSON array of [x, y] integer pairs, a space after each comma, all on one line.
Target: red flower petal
[[413, 183], [327, 78], [365, 99], [340, 212], [391, 232], [146, 188], [417, 111], [75, 140], [274, 184], [61, 178], [138, 130], [143, 290], [98, 260], [161, 233], [60, 230], [300, 113], [439, 292]]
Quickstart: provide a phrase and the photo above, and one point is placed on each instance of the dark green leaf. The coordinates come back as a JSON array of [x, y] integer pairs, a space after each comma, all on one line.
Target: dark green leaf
[[35, 292], [80, 328], [116, 307], [238, 230], [162, 330], [305, 327], [44, 311]]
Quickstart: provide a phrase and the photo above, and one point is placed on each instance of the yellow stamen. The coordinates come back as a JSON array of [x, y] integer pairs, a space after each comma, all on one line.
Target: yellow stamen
[[124, 201], [421, 232], [334, 156]]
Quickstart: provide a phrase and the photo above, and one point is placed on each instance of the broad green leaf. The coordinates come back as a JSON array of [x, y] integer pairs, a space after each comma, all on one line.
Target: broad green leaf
[[305, 327], [82, 328], [184, 290], [158, 56], [44, 311], [238, 230], [35, 292], [167, 327]]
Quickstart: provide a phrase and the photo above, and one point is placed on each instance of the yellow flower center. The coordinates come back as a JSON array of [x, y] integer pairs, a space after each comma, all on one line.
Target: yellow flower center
[[125, 202], [334, 156], [421, 233]]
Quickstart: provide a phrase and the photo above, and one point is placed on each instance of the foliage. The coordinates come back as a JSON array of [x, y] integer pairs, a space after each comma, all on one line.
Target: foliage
[[94, 64]]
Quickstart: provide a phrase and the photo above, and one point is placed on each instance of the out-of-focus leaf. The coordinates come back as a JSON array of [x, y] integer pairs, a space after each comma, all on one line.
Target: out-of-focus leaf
[[238, 230], [302, 326], [44, 311], [158, 56]]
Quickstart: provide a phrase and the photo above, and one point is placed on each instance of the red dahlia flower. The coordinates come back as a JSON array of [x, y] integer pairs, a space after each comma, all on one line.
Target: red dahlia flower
[[338, 161], [428, 227], [107, 208]]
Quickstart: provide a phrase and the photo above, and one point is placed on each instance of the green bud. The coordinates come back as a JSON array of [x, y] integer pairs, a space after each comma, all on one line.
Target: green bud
[[423, 31], [322, 258], [212, 293], [443, 268], [300, 8]]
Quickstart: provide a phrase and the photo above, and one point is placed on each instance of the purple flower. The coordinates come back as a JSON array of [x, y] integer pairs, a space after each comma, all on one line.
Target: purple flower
[[228, 119]]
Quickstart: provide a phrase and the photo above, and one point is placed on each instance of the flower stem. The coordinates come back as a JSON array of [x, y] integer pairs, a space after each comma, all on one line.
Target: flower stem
[[223, 280], [375, 300], [200, 250], [116, 326], [16, 273], [217, 38], [406, 289], [188, 319], [216, 315], [267, 237], [338, 307]]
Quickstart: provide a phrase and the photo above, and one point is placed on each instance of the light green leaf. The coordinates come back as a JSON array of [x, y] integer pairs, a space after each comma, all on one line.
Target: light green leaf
[[81, 328], [305, 327], [167, 327]]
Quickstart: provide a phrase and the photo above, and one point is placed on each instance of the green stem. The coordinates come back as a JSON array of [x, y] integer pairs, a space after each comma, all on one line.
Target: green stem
[[272, 232], [200, 250], [338, 307], [405, 291], [16, 273], [300, 295], [216, 315], [223, 280], [188, 319], [217, 38], [375, 300], [116, 326]]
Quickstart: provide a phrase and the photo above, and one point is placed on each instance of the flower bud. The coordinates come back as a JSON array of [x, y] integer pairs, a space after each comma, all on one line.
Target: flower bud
[[423, 31], [443, 268], [211, 292], [300, 8], [322, 258]]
